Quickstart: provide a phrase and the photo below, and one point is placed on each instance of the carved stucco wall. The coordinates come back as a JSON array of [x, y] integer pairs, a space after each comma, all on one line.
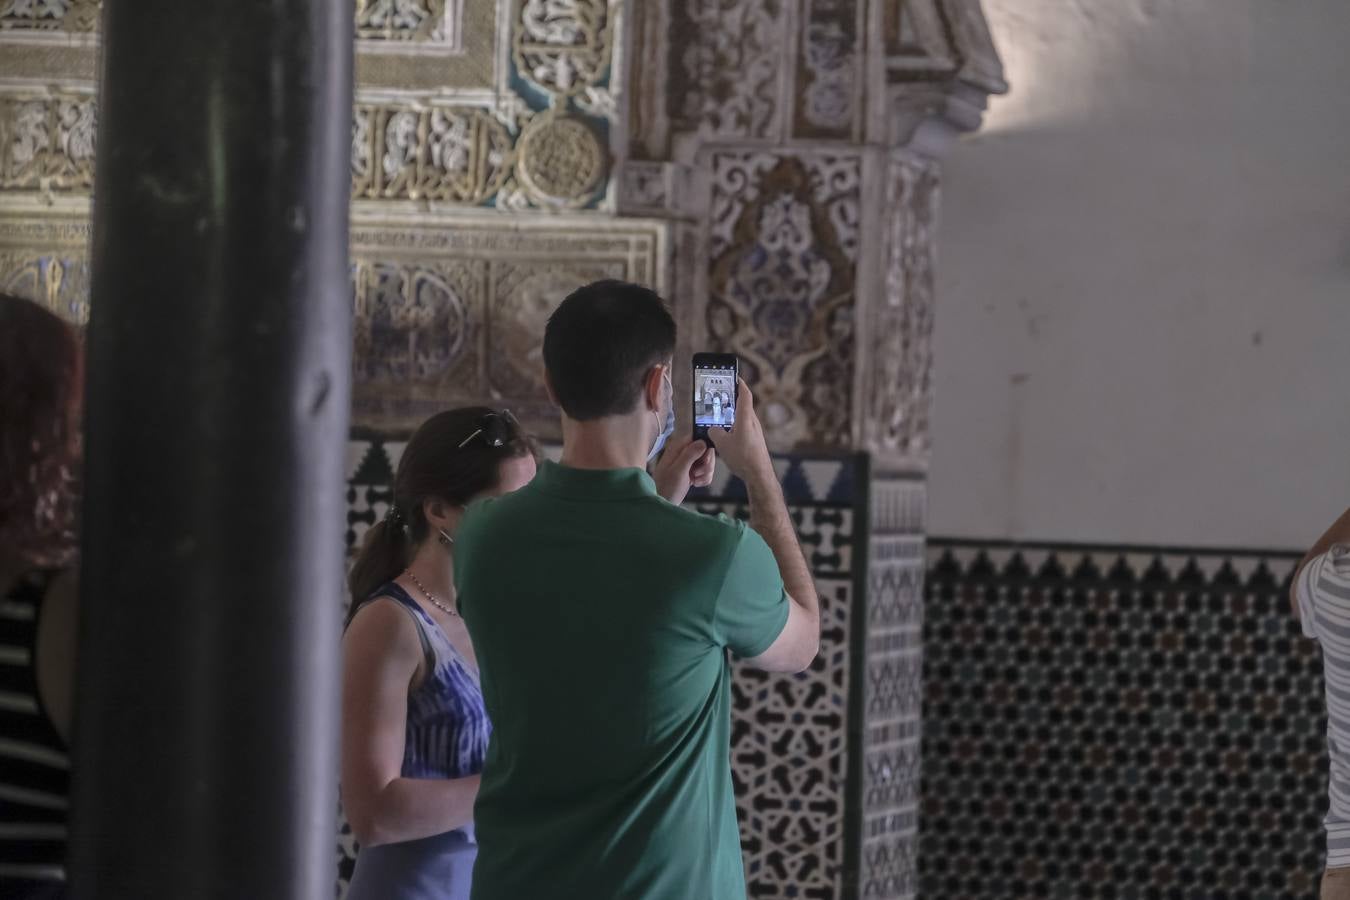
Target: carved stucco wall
[[769, 165], [480, 186]]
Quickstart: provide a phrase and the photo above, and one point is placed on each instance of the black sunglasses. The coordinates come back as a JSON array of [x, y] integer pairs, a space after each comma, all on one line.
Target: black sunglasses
[[496, 428]]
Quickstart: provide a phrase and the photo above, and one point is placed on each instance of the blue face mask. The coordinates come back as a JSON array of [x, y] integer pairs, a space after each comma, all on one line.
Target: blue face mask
[[669, 427]]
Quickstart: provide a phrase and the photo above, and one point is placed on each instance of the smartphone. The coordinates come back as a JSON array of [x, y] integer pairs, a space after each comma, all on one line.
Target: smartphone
[[715, 380]]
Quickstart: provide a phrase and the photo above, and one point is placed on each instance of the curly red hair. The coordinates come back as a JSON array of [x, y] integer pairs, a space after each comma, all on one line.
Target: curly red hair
[[41, 381]]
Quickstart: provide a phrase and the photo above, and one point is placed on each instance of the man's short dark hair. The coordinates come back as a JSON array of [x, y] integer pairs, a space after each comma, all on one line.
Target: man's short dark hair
[[600, 343]]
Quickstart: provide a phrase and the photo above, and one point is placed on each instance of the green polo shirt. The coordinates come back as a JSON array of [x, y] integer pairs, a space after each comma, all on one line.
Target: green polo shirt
[[602, 615]]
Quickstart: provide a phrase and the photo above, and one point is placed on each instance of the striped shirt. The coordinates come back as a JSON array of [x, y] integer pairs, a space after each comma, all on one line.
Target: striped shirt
[[34, 767], [1323, 593]]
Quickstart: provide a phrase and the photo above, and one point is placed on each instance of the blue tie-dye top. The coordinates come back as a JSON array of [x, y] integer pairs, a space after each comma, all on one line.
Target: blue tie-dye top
[[447, 730]]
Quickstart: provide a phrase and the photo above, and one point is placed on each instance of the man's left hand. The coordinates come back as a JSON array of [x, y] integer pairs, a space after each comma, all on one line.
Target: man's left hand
[[684, 466]]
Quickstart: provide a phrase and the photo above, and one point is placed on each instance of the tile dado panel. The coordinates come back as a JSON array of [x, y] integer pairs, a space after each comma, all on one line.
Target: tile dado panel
[[1143, 719], [792, 761], [784, 241]]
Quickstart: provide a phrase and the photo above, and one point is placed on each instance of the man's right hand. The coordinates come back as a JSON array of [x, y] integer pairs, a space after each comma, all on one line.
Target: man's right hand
[[744, 449]]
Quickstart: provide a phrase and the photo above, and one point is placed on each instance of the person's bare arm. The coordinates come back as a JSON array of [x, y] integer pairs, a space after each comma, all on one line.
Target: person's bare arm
[[1338, 533], [799, 641], [56, 639], [381, 658], [747, 453]]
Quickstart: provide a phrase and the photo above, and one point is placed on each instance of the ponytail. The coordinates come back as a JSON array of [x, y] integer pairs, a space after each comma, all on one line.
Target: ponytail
[[383, 556]]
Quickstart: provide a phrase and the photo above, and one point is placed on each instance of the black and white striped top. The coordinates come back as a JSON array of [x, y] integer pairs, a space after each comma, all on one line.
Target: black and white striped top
[[34, 765], [1323, 593]]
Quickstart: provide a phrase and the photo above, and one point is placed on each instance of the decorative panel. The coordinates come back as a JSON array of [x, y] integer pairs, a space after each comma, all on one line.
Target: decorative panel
[[563, 46], [1146, 719], [449, 154], [452, 312], [505, 104], [411, 21], [726, 66], [897, 352], [448, 311], [917, 39], [391, 20], [784, 246], [45, 259], [828, 98], [48, 15], [47, 141]]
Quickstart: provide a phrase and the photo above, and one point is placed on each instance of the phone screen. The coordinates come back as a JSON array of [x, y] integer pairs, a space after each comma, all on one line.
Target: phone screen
[[714, 393]]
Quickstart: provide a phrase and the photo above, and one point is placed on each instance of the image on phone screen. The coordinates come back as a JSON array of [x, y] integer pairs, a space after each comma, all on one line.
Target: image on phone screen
[[714, 392]]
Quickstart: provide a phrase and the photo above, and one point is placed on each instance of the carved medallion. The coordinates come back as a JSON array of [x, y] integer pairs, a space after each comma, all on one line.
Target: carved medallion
[[560, 160]]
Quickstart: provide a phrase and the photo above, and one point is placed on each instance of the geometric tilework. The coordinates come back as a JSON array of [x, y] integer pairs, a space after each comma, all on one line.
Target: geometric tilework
[[891, 708], [789, 733], [1118, 722], [806, 480]]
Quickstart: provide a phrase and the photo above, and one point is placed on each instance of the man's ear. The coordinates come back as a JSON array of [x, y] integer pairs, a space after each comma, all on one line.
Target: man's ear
[[652, 387]]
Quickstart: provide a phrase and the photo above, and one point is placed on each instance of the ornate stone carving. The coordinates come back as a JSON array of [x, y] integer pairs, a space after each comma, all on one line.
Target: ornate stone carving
[[563, 46], [644, 186], [49, 15], [828, 70], [916, 39], [897, 382], [61, 283], [47, 142], [560, 160], [412, 322], [44, 258], [725, 62], [454, 154], [401, 20], [932, 39], [466, 155], [524, 295], [453, 313], [784, 240]]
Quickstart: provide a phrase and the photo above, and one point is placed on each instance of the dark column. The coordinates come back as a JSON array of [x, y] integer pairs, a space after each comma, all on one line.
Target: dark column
[[219, 354]]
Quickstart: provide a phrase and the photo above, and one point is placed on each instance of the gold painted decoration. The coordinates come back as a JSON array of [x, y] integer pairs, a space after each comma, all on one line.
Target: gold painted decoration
[[563, 46], [48, 15], [451, 154], [400, 20], [47, 142], [560, 160]]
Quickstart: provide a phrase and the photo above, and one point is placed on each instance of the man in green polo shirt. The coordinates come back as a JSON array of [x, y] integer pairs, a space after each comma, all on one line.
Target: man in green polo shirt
[[602, 615]]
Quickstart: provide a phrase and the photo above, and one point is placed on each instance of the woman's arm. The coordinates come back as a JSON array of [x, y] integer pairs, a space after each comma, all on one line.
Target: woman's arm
[[382, 657], [1338, 533]]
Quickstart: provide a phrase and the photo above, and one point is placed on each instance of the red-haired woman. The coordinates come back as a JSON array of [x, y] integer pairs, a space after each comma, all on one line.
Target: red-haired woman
[[40, 391]]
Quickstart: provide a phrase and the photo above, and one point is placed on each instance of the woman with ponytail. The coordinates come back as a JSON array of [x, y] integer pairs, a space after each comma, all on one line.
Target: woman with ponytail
[[414, 732]]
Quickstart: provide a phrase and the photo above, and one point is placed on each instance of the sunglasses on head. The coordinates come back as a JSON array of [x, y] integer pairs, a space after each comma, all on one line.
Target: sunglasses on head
[[497, 429]]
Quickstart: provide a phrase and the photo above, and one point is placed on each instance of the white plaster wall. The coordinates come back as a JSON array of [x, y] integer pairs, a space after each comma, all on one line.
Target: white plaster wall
[[1143, 327]]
